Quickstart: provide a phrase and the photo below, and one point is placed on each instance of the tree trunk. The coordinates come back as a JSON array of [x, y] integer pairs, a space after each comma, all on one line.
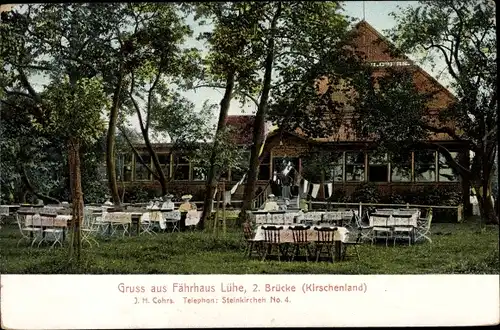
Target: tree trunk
[[156, 162], [76, 197], [260, 117], [211, 179], [486, 209], [110, 143]]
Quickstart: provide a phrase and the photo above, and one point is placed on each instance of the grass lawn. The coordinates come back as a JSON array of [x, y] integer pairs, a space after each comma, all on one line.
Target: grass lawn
[[456, 248]]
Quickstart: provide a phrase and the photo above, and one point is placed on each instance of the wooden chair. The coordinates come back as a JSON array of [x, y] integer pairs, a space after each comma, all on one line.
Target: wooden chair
[[325, 242], [272, 241], [300, 242], [252, 244]]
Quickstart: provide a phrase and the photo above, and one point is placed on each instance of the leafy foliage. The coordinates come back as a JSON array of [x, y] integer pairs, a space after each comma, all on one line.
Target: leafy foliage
[[463, 36]]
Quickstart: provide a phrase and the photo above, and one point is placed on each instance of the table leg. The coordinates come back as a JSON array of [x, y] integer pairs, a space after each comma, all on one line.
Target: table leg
[[338, 250]]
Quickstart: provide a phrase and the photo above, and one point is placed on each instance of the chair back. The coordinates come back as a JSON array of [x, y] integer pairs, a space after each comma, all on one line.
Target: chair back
[[402, 219], [247, 231], [326, 234], [379, 219], [47, 218], [172, 216], [4, 211], [299, 233], [272, 234]]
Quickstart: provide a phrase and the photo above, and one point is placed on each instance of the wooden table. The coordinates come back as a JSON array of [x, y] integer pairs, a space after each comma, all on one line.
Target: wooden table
[[286, 236]]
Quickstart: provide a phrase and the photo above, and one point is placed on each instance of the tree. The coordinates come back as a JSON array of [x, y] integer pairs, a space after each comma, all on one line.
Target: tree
[[154, 67], [80, 104], [231, 64], [299, 42], [463, 36], [56, 40], [31, 162]]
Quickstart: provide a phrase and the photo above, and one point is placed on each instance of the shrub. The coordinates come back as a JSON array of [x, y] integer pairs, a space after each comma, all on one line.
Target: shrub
[[366, 193]]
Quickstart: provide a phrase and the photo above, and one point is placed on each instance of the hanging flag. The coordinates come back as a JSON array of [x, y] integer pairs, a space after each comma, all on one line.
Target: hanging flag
[[330, 187], [227, 197], [268, 127], [233, 190], [305, 186], [315, 190], [287, 169]]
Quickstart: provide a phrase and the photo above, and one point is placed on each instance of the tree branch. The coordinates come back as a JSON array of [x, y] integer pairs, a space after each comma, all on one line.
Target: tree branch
[[150, 97], [464, 172], [446, 130]]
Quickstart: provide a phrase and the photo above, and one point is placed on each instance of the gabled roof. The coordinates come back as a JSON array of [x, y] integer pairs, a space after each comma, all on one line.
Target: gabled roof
[[241, 127], [363, 28]]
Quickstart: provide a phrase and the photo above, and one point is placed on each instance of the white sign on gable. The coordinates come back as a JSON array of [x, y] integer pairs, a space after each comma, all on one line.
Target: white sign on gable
[[386, 63]]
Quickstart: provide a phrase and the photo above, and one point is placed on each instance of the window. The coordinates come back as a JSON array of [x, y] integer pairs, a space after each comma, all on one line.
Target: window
[[378, 167], [199, 173], [446, 172], [401, 168], [336, 172], [181, 168], [354, 166], [164, 160], [141, 171], [265, 168], [425, 166]]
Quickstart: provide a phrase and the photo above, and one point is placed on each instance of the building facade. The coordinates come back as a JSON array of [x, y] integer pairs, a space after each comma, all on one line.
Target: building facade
[[353, 162]]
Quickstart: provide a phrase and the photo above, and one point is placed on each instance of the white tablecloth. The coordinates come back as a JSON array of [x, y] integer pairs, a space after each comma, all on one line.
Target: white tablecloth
[[286, 235], [117, 217], [193, 217], [287, 218], [37, 220], [393, 220]]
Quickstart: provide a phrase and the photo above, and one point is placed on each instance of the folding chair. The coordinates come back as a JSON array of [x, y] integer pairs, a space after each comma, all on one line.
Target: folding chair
[[424, 227], [49, 229], [402, 228], [90, 227], [381, 228], [24, 219], [172, 219], [147, 223]]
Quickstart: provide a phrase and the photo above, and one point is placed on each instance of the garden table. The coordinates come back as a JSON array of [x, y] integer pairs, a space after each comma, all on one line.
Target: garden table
[[286, 236]]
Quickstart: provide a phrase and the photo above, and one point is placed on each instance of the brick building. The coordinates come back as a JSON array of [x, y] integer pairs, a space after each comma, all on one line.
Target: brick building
[[355, 161]]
